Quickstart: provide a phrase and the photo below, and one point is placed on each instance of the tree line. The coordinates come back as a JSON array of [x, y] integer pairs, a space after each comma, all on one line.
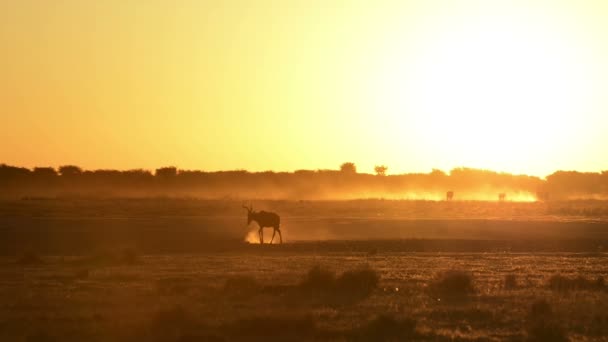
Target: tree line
[[342, 183]]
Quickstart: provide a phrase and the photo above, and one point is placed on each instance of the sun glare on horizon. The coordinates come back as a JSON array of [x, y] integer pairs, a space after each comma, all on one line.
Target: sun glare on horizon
[[503, 87]]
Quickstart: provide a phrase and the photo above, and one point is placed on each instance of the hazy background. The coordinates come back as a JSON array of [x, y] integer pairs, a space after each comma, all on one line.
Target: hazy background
[[283, 85]]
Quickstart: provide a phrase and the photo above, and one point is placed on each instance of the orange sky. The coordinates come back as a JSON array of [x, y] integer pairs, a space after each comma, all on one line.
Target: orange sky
[[506, 85]]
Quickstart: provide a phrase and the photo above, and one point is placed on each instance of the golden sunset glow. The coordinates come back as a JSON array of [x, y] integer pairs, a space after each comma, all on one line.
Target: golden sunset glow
[[513, 86]]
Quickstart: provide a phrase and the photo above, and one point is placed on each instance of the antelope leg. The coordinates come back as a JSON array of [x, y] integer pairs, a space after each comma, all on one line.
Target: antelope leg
[[273, 232]]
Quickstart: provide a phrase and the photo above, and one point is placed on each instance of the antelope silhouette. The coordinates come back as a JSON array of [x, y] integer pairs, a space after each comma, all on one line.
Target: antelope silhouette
[[264, 219]]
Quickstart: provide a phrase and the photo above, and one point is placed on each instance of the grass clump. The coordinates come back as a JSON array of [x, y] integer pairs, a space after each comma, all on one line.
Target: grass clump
[[453, 284], [318, 279], [351, 285], [358, 283], [543, 325]]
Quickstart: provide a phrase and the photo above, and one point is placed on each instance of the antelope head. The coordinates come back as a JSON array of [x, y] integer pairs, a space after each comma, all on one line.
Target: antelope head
[[249, 213]]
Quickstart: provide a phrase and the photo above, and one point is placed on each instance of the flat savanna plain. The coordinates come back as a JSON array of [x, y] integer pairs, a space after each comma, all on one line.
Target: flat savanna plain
[[181, 270]]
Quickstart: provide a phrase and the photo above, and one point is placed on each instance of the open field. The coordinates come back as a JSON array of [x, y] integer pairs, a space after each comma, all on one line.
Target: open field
[[180, 270]]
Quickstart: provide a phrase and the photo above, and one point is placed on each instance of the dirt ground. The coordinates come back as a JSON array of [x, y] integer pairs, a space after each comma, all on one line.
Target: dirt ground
[[181, 270]]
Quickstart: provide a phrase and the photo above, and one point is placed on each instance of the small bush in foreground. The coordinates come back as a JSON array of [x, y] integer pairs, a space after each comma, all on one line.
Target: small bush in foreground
[[349, 286], [318, 279], [359, 283], [454, 284]]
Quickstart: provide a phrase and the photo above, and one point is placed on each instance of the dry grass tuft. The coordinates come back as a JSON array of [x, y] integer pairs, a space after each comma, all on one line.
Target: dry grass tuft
[[351, 285], [453, 284], [358, 283]]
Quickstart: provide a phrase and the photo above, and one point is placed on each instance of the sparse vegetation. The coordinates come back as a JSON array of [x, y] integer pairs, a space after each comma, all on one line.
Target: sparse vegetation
[[562, 283], [185, 281], [351, 285], [453, 284]]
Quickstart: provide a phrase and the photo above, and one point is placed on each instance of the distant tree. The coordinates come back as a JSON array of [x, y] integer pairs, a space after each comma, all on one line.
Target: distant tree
[[166, 172], [380, 170], [348, 168], [45, 172], [437, 173], [69, 170]]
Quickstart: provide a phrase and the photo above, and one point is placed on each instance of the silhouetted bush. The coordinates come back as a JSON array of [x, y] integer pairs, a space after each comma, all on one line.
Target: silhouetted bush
[[319, 279], [69, 171], [348, 287], [453, 284], [359, 283], [510, 282], [166, 172], [543, 325], [349, 168]]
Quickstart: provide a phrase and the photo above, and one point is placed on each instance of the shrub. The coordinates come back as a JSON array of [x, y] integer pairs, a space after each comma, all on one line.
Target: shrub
[[454, 284], [359, 283], [319, 279], [350, 286]]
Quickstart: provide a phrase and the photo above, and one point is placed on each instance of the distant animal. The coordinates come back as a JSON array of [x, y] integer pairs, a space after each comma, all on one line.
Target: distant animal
[[502, 196], [264, 219], [449, 195]]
